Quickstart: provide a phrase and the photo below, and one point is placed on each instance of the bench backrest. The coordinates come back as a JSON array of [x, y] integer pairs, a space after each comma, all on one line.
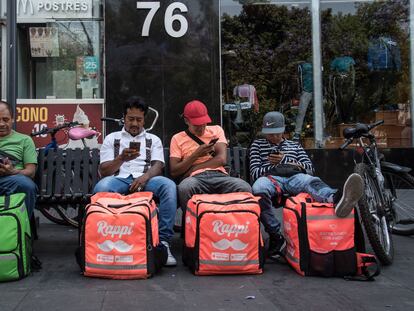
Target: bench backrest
[[67, 174], [72, 174]]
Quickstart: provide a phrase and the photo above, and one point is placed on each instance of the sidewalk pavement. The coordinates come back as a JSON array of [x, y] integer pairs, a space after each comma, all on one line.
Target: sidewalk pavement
[[60, 286]]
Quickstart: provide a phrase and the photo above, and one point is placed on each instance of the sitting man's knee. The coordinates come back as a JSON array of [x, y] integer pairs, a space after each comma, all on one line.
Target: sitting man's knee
[[104, 185], [187, 184], [25, 184], [261, 185]]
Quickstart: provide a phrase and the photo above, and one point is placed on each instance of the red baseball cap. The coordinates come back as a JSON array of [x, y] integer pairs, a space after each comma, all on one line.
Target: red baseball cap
[[196, 113]]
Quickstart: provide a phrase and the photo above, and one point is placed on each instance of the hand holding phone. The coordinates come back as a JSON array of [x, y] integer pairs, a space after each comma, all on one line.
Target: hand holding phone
[[136, 145], [213, 141], [275, 152]]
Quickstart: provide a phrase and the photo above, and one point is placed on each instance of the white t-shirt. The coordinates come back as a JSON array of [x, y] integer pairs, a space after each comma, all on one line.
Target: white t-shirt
[[136, 166]]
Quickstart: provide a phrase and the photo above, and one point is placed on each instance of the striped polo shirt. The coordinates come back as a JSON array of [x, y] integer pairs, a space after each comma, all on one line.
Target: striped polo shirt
[[261, 149]]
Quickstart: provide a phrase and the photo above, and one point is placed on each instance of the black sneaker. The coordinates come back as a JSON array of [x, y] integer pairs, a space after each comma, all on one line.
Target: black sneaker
[[346, 200], [277, 247]]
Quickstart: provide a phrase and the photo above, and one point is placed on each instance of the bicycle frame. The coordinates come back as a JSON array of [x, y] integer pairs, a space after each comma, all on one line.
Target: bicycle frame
[[372, 159]]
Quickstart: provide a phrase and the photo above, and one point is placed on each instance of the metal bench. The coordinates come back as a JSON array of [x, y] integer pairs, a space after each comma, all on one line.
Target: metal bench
[[66, 178]]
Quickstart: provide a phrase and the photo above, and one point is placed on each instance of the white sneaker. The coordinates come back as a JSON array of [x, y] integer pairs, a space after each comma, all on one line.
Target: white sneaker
[[351, 193], [171, 261]]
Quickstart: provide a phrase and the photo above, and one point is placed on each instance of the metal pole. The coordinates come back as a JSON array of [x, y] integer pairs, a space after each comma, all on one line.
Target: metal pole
[[317, 75], [412, 68], [11, 55]]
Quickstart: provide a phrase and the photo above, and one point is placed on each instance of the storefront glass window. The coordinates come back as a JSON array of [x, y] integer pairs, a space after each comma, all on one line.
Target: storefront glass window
[[66, 60], [266, 52], [365, 56]]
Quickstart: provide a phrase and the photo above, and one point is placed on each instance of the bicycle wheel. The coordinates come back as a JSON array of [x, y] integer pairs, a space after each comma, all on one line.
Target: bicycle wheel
[[52, 214], [373, 213], [401, 186], [60, 215], [69, 214]]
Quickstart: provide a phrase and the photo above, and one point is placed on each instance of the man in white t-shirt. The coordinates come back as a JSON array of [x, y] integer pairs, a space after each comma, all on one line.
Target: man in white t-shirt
[[128, 168]]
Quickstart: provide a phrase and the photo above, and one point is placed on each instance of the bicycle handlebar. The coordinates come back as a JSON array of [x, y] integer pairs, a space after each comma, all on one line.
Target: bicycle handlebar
[[121, 122], [54, 130], [371, 126], [346, 143], [359, 130]]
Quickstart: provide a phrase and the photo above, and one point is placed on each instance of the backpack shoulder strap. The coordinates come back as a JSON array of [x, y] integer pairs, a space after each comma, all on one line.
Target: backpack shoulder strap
[[117, 144], [197, 140], [193, 137], [368, 267], [148, 146]]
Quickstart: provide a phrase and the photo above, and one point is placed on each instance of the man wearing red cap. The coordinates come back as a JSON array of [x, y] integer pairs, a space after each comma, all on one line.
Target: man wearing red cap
[[198, 156]]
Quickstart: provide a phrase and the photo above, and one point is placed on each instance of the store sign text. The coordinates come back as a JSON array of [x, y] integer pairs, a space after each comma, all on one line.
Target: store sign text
[[169, 18], [31, 114], [54, 8]]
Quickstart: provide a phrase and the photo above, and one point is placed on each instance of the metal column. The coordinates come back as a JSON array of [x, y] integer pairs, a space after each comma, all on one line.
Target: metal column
[[317, 75], [412, 68], [11, 55]]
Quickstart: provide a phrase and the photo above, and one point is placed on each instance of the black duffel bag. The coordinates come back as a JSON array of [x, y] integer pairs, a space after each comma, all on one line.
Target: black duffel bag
[[286, 170]]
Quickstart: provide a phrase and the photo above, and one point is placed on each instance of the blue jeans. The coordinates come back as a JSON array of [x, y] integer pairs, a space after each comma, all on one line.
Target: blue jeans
[[163, 188], [293, 185], [209, 182], [20, 183]]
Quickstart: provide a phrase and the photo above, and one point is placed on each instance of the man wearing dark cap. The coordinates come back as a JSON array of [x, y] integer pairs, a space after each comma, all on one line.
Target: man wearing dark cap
[[279, 166], [198, 156]]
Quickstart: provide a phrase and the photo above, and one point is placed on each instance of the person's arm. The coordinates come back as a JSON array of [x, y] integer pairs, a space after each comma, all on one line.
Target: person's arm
[[109, 168], [304, 161], [7, 169], [110, 165], [219, 159], [180, 167], [257, 167], [140, 182]]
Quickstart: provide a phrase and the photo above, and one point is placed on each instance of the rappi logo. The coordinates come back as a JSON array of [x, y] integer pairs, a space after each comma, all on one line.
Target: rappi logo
[[222, 228], [105, 229]]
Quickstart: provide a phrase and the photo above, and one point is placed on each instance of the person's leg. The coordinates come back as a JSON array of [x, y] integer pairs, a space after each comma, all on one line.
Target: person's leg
[[166, 191], [266, 190], [305, 99], [20, 183], [319, 190], [226, 184], [344, 200], [192, 185], [113, 184]]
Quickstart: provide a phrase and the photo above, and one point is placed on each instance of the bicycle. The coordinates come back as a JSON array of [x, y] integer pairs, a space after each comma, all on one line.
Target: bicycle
[[56, 212], [378, 208]]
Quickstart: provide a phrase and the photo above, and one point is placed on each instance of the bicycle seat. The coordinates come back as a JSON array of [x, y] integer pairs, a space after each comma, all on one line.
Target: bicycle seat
[[359, 130], [77, 133]]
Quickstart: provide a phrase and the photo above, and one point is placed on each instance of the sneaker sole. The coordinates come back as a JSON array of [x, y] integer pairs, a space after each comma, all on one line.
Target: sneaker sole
[[352, 192]]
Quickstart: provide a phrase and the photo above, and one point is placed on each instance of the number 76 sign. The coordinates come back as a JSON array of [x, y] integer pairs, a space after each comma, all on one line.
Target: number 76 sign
[[169, 18]]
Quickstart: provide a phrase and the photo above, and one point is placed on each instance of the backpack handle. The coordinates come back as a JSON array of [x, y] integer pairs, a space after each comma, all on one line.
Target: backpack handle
[[6, 202], [118, 205]]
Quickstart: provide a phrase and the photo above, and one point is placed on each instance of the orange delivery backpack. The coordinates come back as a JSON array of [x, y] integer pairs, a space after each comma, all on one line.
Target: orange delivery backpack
[[119, 237], [321, 244], [222, 234]]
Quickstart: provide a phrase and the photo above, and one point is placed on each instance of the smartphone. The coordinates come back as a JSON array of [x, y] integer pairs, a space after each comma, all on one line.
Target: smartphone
[[134, 145], [213, 141], [275, 152]]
